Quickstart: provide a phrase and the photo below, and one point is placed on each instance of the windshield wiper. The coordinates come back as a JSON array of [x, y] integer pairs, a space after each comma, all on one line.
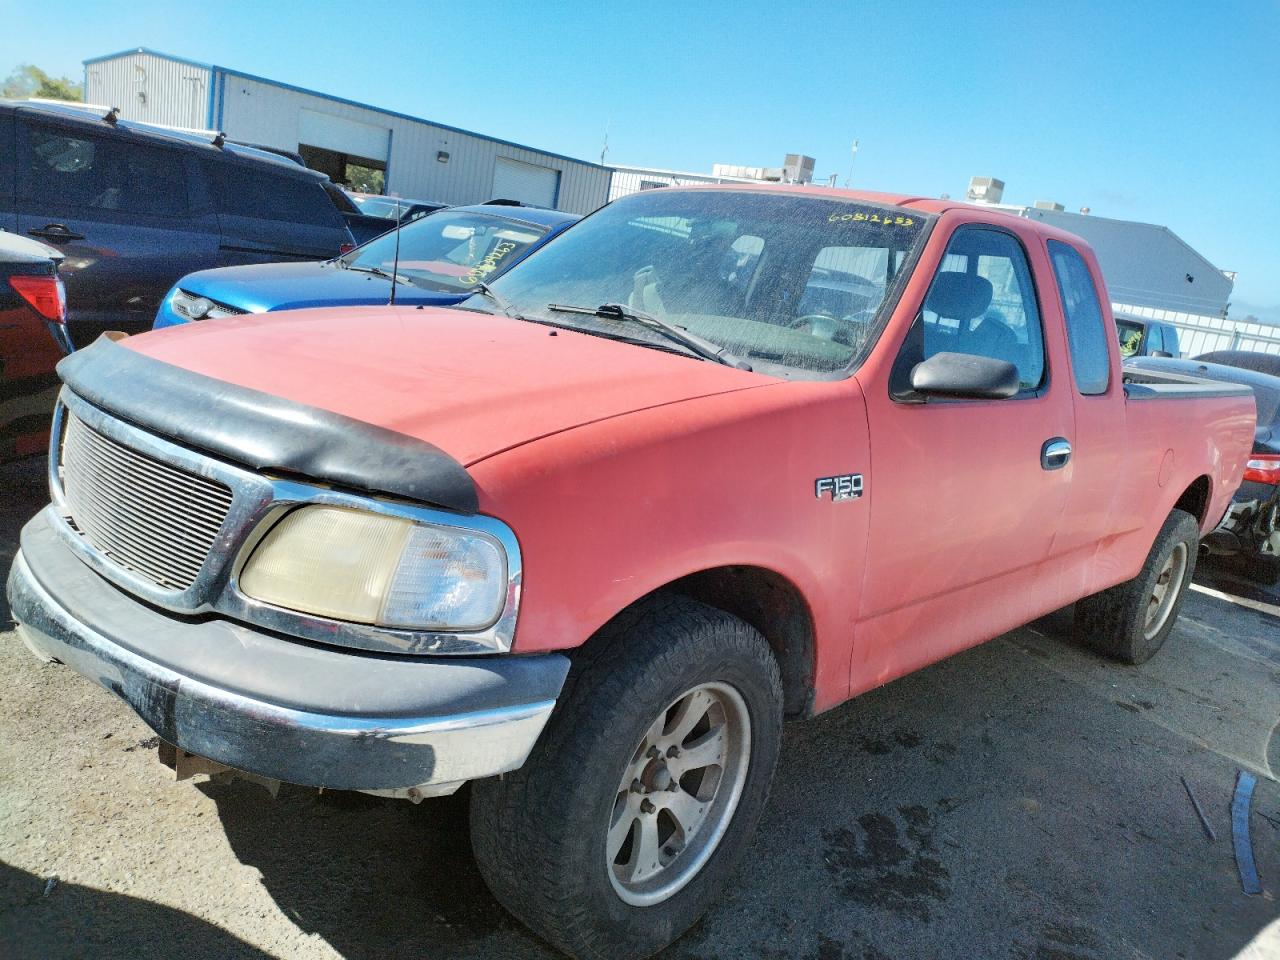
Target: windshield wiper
[[379, 272], [704, 348], [498, 300]]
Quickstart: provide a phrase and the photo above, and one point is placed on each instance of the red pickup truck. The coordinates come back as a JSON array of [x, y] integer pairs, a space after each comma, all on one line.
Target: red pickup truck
[[713, 459]]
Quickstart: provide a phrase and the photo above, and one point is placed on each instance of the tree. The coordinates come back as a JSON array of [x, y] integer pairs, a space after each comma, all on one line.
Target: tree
[[28, 80]]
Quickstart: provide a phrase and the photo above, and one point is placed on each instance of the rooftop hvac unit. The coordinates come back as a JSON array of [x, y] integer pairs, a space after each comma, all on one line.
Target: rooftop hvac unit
[[798, 168], [985, 190], [1049, 205]]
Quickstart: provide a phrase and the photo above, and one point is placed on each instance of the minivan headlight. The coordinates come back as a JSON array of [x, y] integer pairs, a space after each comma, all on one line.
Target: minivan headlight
[[372, 568]]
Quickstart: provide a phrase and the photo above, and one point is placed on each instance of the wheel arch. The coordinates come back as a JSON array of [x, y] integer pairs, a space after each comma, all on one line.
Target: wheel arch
[[1195, 498], [772, 604]]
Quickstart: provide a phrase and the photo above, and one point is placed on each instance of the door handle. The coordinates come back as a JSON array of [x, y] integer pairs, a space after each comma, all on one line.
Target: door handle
[[1055, 453], [57, 232]]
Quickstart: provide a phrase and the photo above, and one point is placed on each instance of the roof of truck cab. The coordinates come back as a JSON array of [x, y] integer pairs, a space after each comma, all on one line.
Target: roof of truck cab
[[931, 205]]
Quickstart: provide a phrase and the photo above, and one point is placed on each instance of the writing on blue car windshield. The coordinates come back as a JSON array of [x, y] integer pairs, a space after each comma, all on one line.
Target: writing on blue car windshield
[[790, 283], [448, 251]]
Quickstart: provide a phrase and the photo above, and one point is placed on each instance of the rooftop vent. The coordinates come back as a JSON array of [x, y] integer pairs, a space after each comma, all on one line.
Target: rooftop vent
[[985, 190], [1049, 205]]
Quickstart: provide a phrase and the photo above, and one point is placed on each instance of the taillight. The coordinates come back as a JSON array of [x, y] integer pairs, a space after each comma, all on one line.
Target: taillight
[[47, 295], [1263, 468], [346, 248]]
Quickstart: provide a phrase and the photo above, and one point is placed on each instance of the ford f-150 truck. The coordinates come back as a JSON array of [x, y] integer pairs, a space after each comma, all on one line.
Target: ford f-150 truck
[[712, 459]]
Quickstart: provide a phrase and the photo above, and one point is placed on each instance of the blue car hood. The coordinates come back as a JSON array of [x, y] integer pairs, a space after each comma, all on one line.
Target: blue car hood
[[259, 288]]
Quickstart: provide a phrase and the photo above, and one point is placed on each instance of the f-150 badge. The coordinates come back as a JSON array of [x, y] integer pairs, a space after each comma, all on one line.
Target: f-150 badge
[[847, 486]]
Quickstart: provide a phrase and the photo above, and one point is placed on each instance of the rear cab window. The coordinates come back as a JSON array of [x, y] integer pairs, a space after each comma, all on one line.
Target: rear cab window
[[1086, 329], [1130, 336]]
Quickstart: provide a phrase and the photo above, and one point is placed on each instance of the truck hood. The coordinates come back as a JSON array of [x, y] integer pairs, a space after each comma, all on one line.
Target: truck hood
[[470, 383], [261, 287]]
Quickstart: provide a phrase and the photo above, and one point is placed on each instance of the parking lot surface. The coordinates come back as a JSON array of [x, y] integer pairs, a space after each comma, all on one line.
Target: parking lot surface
[[1020, 800]]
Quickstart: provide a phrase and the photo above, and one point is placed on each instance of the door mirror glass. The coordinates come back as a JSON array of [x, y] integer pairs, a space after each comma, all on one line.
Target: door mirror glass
[[965, 376]]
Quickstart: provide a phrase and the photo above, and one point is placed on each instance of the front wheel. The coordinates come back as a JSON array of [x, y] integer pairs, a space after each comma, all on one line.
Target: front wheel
[[1130, 621], [635, 805]]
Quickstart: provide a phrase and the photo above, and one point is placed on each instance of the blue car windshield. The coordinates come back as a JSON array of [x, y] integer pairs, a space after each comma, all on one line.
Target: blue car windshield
[[449, 251]]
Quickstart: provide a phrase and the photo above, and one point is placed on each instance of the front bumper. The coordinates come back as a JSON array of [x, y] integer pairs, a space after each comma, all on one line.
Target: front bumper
[[280, 708]]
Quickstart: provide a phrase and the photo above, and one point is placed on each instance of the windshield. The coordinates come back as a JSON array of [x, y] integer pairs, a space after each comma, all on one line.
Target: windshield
[[1130, 334], [791, 283], [449, 251]]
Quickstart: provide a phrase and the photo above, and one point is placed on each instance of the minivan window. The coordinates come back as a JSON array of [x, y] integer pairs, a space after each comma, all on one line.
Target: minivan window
[[102, 173], [1086, 331], [244, 190]]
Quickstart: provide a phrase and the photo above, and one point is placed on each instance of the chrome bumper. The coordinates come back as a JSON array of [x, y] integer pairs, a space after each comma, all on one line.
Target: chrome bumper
[[278, 708]]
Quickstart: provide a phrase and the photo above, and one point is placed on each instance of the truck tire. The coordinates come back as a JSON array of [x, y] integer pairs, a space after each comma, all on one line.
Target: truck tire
[[1130, 621], [643, 791]]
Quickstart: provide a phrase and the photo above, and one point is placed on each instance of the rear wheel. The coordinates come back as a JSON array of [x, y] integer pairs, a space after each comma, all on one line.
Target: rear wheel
[[1131, 621], [635, 805]]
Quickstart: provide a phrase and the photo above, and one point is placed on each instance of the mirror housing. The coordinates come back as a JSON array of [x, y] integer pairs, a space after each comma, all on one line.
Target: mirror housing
[[965, 376]]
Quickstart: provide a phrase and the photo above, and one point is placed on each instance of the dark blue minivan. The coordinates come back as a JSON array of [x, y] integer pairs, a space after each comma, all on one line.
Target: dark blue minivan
[[133, 207]]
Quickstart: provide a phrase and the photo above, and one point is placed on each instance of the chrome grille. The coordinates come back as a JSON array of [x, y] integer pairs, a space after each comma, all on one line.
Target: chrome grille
[[151, 518]]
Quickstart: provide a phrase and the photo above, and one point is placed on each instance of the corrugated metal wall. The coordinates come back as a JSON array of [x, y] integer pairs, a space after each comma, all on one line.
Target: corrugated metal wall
[[187, 95], [266, 113], [150, 88]]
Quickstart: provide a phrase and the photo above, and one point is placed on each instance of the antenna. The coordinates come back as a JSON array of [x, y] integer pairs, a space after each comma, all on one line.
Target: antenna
[[605, 149], [853, 155], [395, 264]]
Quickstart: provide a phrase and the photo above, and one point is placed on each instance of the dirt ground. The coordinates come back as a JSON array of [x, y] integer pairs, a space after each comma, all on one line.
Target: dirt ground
[[1021, 800]]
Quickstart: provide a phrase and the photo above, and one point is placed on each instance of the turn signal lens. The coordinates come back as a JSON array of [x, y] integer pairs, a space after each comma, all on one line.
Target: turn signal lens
[[47, 295], [1263, 468]]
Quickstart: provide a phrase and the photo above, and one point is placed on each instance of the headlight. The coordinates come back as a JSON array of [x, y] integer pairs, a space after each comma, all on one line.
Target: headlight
[[201, 308], [371, 568]]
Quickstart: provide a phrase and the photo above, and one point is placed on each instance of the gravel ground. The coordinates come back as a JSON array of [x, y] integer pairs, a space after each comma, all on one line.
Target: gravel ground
[[1020, 800]]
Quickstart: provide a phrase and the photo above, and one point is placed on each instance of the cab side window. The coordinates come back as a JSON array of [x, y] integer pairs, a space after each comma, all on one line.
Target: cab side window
[[1086, 330], [982, 302]]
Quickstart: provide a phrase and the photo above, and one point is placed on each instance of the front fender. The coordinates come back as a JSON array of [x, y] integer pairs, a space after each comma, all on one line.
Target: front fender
[[610, 511]]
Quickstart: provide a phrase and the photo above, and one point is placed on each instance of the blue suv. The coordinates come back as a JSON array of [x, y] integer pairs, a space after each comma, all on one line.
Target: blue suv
[[441, 259]]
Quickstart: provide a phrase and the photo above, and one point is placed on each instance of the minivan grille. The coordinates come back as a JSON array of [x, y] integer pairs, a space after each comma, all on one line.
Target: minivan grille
[[147, 516]]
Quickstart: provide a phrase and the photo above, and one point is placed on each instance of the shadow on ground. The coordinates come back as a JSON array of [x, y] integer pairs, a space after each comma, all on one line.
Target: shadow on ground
[[69, 920]]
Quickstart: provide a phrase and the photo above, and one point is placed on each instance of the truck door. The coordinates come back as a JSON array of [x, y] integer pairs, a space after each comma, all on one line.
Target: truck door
[[963, 507], [1100, 442]]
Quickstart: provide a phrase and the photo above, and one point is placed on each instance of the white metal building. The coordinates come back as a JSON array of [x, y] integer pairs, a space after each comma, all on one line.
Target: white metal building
[[420, 159], [1151, 273]]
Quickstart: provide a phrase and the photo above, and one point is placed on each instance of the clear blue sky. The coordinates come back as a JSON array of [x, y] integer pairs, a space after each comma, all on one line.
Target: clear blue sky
[[1166, 111]]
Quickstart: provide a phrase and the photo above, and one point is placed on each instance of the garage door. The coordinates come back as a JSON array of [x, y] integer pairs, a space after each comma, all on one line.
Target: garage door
[[526, 182]]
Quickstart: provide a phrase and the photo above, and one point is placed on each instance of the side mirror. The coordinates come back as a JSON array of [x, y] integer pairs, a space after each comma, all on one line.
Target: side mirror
[[965, 376]]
